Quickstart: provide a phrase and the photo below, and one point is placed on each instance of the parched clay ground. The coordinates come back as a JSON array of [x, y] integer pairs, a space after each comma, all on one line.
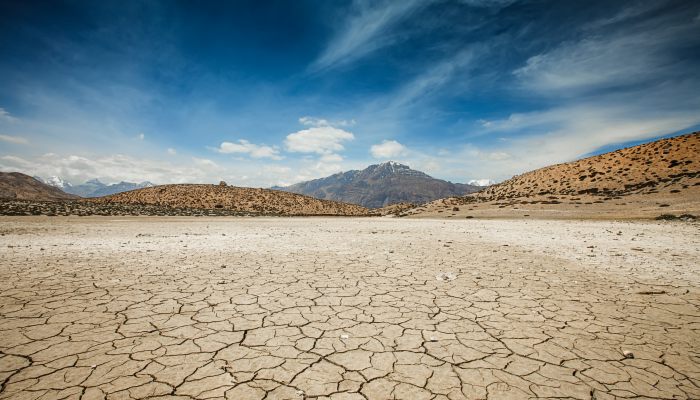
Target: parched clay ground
[[360, 308]]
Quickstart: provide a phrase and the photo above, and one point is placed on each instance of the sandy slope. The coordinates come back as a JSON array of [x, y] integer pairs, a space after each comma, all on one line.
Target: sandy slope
[[643, 181], [347, 308]]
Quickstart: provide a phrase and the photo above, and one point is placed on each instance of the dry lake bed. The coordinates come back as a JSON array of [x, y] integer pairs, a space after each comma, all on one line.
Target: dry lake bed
[[348, 308]]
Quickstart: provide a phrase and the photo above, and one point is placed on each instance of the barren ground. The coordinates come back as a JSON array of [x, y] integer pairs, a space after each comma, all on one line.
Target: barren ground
[[348, 308]]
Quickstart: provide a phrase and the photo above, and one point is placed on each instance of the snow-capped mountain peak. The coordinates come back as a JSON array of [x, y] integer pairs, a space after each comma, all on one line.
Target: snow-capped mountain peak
[[93, 187], [481, 182]]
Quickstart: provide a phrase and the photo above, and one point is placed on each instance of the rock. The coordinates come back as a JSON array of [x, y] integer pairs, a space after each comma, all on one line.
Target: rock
[[445, 276], [627, 354], [222, 183]]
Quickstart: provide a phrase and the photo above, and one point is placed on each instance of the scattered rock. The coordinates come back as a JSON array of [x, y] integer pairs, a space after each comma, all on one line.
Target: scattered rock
[[445, 276], [627, 354], [646, 292]]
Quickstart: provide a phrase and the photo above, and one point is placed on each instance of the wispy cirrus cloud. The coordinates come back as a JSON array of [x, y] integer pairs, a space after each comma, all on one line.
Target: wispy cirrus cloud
[[5, 115], [13, 139], [644, 53], [369, 29], [435, 78]]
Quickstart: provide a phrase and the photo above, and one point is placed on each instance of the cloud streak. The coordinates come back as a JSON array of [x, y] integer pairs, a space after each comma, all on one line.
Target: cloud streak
[[366, 31], [13, 139]]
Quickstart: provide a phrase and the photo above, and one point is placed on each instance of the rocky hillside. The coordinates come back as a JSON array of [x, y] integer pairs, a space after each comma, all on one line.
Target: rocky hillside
[[18, 186], [238, 199], [381, 185], [656, 179], [639, 169]]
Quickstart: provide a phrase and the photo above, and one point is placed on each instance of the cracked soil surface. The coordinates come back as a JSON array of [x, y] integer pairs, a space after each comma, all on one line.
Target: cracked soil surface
[[357, 308]]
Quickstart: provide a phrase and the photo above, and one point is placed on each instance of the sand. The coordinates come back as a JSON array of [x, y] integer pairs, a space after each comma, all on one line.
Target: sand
[[348, 308]]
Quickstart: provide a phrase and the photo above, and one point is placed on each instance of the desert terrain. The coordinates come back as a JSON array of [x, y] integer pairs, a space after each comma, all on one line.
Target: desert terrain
[[352, 308]]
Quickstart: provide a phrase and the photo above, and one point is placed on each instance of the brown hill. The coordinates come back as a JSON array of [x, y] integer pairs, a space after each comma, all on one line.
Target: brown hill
[[640, 181], [264, 201], [18, 186]]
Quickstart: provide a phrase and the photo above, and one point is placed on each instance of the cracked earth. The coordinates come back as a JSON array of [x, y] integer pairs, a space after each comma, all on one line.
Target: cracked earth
[[351, 308]]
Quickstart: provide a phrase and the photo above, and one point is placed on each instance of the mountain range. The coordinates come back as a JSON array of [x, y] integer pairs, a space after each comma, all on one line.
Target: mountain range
[[381, 185], [93, 187]]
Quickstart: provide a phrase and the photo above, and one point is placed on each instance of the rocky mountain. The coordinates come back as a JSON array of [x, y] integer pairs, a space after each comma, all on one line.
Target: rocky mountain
[[381, 185], [18, 186], [236, 199], [93, 187]]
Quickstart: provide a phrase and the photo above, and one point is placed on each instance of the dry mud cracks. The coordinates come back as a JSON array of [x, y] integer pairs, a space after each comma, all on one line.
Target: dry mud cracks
[[347, 309]]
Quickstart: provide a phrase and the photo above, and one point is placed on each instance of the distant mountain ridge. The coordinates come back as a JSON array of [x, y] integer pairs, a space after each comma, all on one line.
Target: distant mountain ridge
[[380, 185], [93, 187]]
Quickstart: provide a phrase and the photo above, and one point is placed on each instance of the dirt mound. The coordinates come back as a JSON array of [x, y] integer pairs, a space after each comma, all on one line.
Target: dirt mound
[[260, 201], [18, 186]]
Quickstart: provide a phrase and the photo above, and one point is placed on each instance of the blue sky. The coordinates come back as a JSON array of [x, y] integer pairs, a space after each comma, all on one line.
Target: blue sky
[[264, 93]]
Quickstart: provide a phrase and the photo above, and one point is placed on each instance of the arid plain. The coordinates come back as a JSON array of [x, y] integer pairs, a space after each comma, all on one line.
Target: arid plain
[[348, 308]]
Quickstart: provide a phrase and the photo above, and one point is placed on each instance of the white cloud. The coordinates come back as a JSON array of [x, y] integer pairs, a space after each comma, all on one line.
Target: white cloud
[[331, 158], [141, 136], [252, 149], [4, 114], [497, 155], [366, 31], [172, 151], [312, 121], [638, 54], [569, 132], [204, 162], [388, 149], [481, 182], [436, 78], [113, 168], [318, 139], [13, 139]]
